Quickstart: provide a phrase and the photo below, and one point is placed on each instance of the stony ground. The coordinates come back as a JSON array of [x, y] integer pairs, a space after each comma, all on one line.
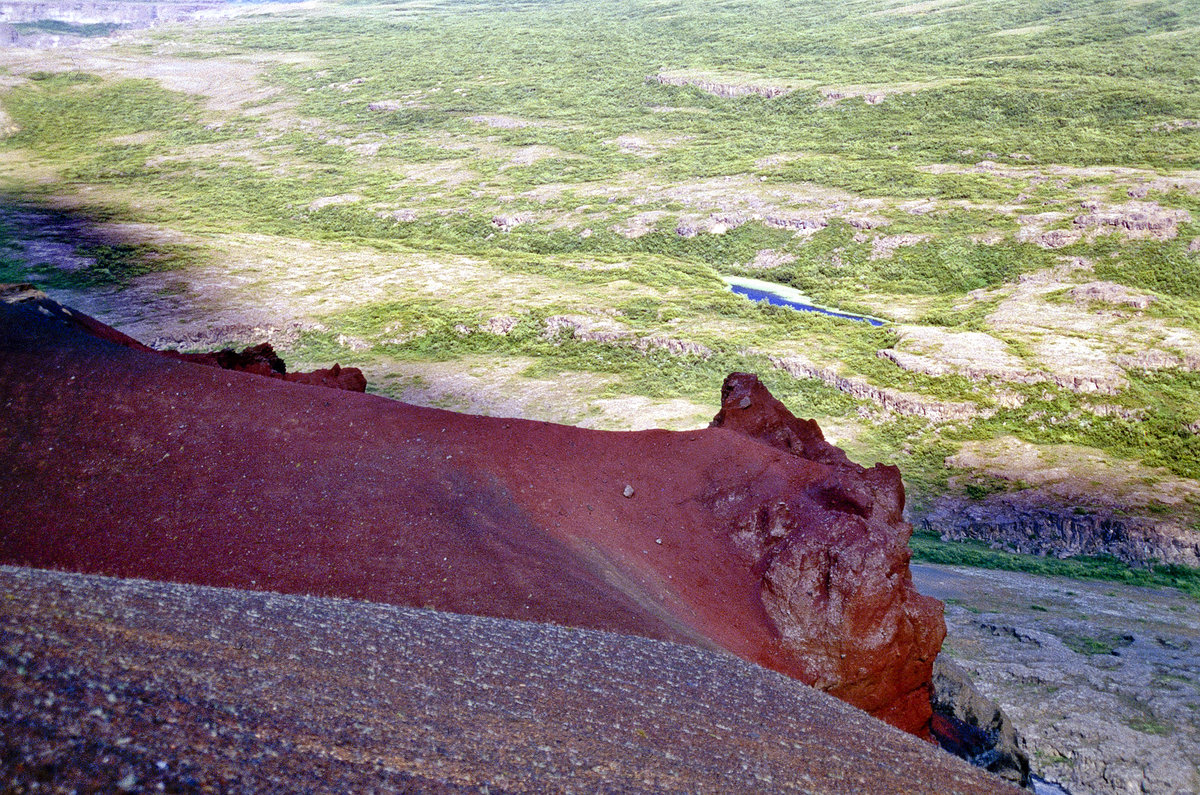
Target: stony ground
[[1102, 680], [129, 685]]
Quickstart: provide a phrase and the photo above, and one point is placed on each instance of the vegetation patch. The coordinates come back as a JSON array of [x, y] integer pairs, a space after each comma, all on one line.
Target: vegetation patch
[[928, 548], [930, 174]]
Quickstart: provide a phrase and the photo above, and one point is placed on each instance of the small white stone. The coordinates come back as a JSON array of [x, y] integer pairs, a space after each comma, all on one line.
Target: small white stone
[[628, 490]]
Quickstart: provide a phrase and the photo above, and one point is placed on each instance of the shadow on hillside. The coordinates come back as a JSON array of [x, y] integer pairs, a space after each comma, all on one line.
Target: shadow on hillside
[[77, 248]]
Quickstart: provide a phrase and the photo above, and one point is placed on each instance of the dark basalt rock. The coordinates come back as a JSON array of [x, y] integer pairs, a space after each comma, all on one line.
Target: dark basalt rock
[[1033, 523], [971, 726], [262, 360]]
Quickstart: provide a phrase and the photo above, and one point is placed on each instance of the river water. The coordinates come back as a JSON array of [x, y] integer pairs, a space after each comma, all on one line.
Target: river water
[[781, 295]]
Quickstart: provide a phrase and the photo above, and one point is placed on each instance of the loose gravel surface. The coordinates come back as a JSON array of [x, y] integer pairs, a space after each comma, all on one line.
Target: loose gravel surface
[[1102, 680], [132, 685]]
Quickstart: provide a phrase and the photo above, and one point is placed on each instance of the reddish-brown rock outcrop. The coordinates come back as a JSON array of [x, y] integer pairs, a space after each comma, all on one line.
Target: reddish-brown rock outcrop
[[834, 562], [262, 360], [754, 536]]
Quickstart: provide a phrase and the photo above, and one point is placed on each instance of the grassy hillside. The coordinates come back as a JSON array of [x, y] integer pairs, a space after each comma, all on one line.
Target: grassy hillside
[[526, 208]]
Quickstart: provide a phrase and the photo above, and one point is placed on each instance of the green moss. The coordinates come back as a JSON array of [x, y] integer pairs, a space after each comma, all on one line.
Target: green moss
[[65, 115], [928, 548]]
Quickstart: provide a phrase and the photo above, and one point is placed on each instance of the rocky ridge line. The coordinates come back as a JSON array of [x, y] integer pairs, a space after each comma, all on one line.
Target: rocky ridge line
[[890, 399], [1037, 526]]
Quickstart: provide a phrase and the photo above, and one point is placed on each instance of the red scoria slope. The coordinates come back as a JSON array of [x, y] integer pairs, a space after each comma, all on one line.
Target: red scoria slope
[[754, 536]]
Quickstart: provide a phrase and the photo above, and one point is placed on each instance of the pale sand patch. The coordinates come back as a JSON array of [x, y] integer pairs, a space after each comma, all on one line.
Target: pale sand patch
[[921, 7], [316, 278], [365, 146], [875, 93], [226, 83], [746, 190], [1079, 364], [711, 327], [496, 386], [730, 85], [902, 308], [133, 139], [640, 224], [1075, 473], [449, 173], [1082, 345], [731, 200], [884, 246], [937, 351], [251, 282], [639, 413], [844, 433], [528, 155], [333, 201], [507, 122], [778, 159], [23, 167], [488, 148], [677, 109], [647, 144], [1027, 30]]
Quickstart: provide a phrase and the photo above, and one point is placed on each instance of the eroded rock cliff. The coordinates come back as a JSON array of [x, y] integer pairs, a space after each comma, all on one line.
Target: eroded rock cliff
[[1036, 524]]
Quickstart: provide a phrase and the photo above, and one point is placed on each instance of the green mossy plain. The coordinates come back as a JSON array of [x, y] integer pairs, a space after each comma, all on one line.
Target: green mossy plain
[[1068, 84]]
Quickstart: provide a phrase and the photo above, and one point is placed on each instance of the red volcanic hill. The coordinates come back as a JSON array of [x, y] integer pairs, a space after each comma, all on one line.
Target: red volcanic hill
[[753, 536]]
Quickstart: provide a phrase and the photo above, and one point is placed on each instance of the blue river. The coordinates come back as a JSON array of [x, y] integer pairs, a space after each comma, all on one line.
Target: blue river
[[754, 294]]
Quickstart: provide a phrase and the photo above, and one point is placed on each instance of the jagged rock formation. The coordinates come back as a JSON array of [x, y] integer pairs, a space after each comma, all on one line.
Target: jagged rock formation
[[972, 726], [130, 463], [110, 685], [1137, 219], [262, 360], [894, 400], [1037, 526], [720, 88], [835, 543]]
